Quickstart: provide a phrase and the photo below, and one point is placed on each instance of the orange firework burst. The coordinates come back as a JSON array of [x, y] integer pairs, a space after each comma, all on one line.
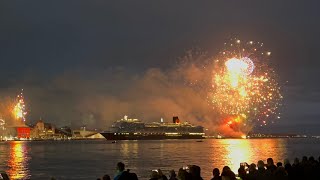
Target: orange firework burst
[[19, 108], [244, 87]]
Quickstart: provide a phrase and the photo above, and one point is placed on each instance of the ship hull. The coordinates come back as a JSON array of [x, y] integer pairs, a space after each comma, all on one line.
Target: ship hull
[[132, 136]]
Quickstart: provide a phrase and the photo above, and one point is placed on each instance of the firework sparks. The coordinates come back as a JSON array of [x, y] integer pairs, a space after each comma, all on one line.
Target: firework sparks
[[19, 111], [244, 88]]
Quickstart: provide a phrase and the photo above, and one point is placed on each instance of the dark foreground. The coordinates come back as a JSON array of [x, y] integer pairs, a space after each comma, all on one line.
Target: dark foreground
[[307, 168]]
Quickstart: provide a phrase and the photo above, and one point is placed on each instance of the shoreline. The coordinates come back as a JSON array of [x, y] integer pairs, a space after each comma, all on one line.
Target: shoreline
[[196, 140]]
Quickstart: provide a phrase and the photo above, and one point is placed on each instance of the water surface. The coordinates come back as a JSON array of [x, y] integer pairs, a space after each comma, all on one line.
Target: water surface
[[92, 159]]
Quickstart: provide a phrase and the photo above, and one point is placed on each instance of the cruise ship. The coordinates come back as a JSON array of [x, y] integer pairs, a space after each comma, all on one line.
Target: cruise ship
[[134, 129]]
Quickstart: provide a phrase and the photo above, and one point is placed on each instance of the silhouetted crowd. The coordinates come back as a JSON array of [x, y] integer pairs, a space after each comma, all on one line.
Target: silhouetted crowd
[[306, 168]]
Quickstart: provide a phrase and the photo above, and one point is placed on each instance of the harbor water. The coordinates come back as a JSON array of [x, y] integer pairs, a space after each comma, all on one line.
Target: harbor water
[[39, 160]]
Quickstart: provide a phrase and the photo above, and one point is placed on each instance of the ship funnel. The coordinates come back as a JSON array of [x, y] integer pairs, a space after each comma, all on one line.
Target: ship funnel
[[175, 120]]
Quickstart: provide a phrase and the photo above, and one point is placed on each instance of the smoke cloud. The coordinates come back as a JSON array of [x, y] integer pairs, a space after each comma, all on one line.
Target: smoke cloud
[[96, 98]]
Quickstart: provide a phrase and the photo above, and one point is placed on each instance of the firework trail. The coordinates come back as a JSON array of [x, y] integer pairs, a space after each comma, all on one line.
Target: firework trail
[[245, 90], [19, 110]]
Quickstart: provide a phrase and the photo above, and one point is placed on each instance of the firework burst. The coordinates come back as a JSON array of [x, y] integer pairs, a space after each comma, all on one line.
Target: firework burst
[[19, 111], [245, 90]]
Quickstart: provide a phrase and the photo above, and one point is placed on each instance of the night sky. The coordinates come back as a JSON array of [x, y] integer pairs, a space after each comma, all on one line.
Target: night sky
[[62, 52]]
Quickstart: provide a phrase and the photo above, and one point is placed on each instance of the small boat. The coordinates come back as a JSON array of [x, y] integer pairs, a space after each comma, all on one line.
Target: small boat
[[199, 141], [114, 142]]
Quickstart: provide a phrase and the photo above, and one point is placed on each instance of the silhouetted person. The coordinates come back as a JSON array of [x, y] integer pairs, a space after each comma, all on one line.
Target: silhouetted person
[[270, 165], [288, 168], [280, 174], [121, 174], [181, 174], [286, 161], [106, 177], [227, 174], [318, 168], [242, 173], [119, 170], [172, 175], [184, 175], [216, 174], [154, 175], [161, 175], [296, 161], [195, 172], [312, 167], [311, 159], [132, 176], [271, 168], [279, 164], [297, 170], [304, 160], [261, 172], [252, 175]]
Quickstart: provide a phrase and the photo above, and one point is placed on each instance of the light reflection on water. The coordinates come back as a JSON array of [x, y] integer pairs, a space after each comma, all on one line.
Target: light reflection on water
[[236, 151], [92, 159], [18, 160]]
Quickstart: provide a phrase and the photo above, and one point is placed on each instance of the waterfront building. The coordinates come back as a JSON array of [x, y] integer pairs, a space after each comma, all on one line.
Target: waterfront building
[[42, 130]]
